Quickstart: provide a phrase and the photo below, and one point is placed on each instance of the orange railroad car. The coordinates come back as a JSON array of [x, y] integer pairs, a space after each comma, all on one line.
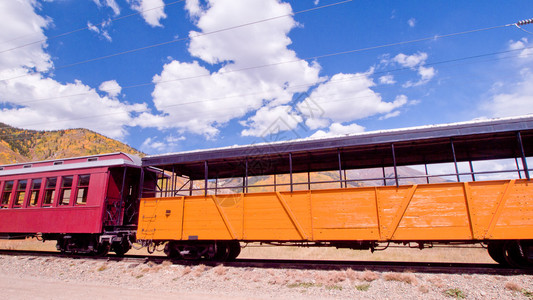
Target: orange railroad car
[[455, 184]]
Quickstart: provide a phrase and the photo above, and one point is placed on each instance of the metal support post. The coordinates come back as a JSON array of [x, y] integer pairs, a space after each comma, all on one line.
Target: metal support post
[[395, 168], [340, 165], [472, 170], [455, 161], [290, 170], [523, 154], [206, 177]]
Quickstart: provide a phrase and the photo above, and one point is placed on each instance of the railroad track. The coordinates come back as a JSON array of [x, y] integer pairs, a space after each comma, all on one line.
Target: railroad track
[[378, 266]]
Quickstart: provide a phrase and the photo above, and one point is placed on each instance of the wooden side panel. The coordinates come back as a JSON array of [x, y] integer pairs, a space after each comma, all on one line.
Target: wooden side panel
[[231, 206], [516, 219], [392, 203], [265, 218], [445, 211], [345, 214], [484, 203], [438, 212], [202, 220], [160, 218]]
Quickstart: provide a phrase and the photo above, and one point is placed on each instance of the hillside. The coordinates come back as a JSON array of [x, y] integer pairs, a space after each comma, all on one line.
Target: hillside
[[328, 179], [20, 145]]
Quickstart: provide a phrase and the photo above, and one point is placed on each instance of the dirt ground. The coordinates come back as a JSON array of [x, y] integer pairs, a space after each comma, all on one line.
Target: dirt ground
[[26, 277]]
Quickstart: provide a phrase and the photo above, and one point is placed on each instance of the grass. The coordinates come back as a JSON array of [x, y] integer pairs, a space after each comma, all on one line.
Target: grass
[[305, 285], [517, 288], [363, 287], [102, 268], [455, 292], [334, 287], [527, 293], [401, 277]]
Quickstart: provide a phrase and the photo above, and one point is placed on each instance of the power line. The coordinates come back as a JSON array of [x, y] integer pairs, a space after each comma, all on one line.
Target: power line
[[81, 29], [184, 39], [278, 63], [336, 81]]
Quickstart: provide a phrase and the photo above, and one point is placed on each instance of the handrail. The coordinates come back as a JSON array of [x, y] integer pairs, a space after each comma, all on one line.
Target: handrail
[[383, 180]]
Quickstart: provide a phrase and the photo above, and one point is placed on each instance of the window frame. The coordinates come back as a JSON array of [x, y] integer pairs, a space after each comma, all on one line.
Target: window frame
[[83, 188], [38, 192], [3, 191], [17, 201], [62, 200], [48, 189]]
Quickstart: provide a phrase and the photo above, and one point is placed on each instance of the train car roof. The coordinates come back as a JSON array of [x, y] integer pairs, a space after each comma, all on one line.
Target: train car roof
[[424, 144], [90, 161]]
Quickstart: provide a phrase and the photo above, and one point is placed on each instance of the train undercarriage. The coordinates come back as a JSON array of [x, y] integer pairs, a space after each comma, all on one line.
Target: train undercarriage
[[514, 253], [118, 241], [508, 253], [209, 250]]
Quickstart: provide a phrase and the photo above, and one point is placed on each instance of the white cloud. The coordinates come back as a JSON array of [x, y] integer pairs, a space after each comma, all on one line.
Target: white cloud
[[92, 27], [110, 3], [62, 110], [390, 115], [271, 121], [37, 102], [411, 22], [111, 87], [410, 61], [415, 62], [100, 31], [17, 19], [522, 44], [337, 129], [426, 74], [387, 79], [155, 145], [222, 95], [348, 97], [150, 145], [516, 100], [193, 7], [153, 11]]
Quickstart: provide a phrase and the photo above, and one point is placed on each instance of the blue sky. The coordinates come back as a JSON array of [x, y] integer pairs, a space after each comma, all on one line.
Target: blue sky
[[225, 72]]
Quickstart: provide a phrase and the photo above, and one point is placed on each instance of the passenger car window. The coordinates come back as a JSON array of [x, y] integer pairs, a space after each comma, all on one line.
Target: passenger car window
[[6, 193], [83, 189], [35, 190], [21, 192], [66, 189], [50, 191]]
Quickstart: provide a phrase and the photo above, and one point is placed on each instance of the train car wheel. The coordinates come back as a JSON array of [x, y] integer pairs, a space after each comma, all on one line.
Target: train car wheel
[[222, 251], [102, 249], [60, 245], [234, 250], [496, 252], [172, 251], [516, 254], [121, 248]]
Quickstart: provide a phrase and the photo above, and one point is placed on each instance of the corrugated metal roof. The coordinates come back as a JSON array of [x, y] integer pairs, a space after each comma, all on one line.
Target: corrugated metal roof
[[414, 145], [70, 164]]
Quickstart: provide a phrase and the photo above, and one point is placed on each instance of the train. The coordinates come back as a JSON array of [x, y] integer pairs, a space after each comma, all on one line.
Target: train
[[454, 184]]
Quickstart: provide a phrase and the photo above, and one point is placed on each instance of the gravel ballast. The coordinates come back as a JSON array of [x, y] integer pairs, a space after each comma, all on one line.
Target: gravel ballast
[[25, 277]]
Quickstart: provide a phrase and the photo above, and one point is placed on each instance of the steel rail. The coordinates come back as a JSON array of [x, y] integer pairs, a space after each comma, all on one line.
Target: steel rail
[[377, 266]]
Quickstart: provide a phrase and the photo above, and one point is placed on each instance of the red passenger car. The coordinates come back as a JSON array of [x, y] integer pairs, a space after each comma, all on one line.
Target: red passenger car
[[88, 204]]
